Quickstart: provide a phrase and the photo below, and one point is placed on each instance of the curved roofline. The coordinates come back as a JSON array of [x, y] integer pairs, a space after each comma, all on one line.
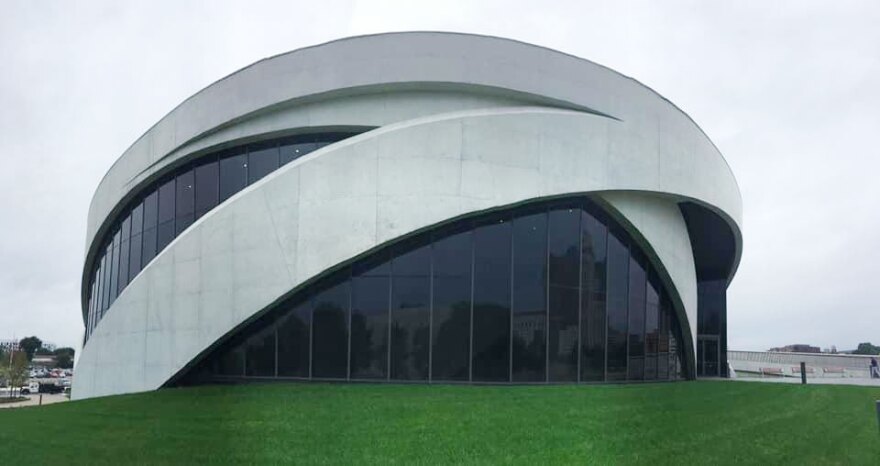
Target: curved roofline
[[393, 33]]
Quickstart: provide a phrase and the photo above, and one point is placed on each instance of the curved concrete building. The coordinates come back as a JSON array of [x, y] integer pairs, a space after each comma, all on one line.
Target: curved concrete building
[[421, 206]]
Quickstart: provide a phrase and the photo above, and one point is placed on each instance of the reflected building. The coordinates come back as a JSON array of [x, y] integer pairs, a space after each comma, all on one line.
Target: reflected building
[[424, 207]]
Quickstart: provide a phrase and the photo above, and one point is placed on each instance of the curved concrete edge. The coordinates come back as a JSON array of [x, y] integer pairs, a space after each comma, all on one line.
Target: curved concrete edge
[[393, 61], [349, 198], [656, 223]]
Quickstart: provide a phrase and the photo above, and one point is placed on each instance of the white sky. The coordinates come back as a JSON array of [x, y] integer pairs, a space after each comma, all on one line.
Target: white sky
[[789, 91]]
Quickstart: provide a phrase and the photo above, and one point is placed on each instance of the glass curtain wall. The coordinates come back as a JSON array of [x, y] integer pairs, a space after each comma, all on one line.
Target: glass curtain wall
[[550, 292]]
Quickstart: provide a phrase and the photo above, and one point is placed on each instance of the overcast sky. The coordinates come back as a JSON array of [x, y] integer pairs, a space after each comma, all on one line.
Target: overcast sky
[[789, 92]]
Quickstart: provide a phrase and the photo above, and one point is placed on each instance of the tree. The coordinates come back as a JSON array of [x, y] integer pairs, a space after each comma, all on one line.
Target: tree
[[867, 348], [29, 345], [64, 357], [16, 372]]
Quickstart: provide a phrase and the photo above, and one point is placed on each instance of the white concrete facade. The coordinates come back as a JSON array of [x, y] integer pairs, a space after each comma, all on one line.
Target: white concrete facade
[[463, 124]]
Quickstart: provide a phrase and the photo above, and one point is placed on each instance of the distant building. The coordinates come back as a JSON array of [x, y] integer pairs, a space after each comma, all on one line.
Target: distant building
[[8, 345], [797, 349]]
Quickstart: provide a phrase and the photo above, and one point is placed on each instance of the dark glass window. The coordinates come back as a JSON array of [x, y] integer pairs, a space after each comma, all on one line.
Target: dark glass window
[[652, 327], [491, 318], [294, 150], [151, 216], [185, 201], [530, 298], [165, 231], [663, 342], [564, 266], [370, 298], [137, 229], [262, 160], [99, 291], [105, 266], [330, 332], [616, 301], [294, 330], [125, 239], [207, 187], [637, 279], [260, 353], [233, 175], [114, 268], [231, 362], [593, 239], [452, 307], [410, 314]]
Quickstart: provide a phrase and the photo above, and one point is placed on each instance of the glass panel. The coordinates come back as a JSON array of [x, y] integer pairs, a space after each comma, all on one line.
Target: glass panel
[[637, 285], [151, 210], [165, 232], [294, 341], [134, 264], [100, 279], [231, 362], [105, 266], [663, 342], [260, 353], [369, 320], [491, 315], [262, 160], [114, 269], [593, 239], [452, 307], [233, 175], [530, 298], [125, 235], [410, 314], [294, 150], [137, 227], [185, 201], [652, 327], [330, 332], [564, 249], [207, 178], [618, 278]]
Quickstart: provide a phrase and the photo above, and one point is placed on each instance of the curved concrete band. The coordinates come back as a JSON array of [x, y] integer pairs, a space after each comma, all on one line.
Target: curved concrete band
[[512, 123]]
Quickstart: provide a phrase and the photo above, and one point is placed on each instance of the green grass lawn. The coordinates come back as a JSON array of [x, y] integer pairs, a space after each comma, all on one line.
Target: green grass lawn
[[672, 423]]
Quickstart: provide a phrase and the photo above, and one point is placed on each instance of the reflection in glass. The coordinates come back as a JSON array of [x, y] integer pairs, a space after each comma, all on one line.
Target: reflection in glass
[[593, 288], [618, 278], [636, 318], [452, 307], [410, 314], [330, 332], [491, 318], [294, 341], [369, 320], [564, 267], [529, 298], [260, 353]]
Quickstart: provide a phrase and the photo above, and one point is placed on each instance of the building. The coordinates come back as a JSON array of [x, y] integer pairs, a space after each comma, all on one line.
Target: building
[[9, 345], [797, 348], [428, 207]]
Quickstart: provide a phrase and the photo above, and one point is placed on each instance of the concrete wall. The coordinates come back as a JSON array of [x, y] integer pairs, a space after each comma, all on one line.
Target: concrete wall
[[474, 148]]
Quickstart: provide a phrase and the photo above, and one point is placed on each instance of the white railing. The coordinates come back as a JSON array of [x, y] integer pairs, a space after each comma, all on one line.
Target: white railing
[[788, 364]]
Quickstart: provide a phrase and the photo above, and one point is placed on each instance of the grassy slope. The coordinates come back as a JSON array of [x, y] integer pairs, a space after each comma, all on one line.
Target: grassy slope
[[696, 422]]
